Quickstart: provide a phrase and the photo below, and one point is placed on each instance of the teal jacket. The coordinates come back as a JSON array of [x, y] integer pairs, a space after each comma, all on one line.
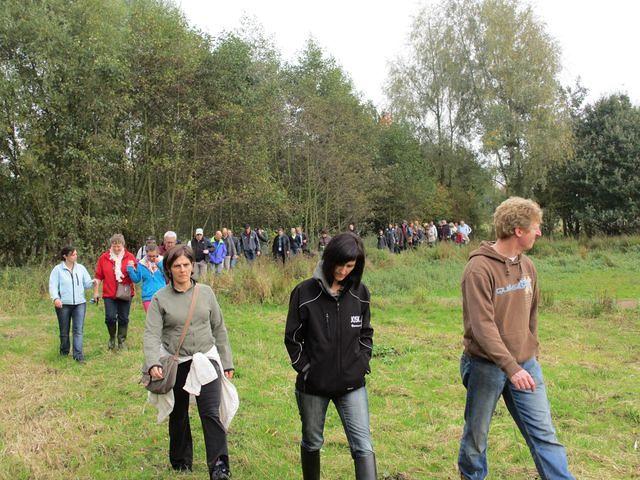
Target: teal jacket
[[151, 282]]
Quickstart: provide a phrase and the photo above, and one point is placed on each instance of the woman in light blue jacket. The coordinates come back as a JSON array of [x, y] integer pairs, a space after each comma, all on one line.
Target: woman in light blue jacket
[[67, 283]]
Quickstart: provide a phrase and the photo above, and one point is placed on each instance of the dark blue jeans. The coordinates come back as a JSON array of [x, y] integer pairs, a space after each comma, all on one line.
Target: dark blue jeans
[[71, 316], [485, 383], [353, 408], [250, 255], [116, 311]]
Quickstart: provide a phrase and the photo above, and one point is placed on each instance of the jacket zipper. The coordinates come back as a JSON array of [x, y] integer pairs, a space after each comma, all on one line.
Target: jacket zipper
[[326, 316], [73, 289], [339, 329]]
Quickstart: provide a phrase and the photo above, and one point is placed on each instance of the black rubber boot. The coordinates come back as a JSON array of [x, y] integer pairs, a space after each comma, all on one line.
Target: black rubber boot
[[366, 467], [122, 337], [112, 335], [310, 464]]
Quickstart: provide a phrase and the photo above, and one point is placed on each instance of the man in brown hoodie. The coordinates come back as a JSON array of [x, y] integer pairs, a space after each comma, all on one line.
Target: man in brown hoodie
[[500, 310]]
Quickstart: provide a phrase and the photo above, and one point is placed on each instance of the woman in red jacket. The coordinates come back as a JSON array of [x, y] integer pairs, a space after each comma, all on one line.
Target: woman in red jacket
[[117, 289]]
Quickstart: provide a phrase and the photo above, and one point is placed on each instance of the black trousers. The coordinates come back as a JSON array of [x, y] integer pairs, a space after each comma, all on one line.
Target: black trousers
[[215, 436]]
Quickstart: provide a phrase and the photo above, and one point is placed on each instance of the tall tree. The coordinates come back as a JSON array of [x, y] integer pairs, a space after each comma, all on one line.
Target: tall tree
[[484, 73], [329, 156], [521, 116], [598, 190], [432, 87]]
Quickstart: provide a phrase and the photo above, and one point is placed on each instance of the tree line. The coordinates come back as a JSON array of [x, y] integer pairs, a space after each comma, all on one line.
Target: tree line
[[118, 116]]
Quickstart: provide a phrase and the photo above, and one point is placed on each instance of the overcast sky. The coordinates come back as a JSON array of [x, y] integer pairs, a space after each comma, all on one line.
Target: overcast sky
[[598, 38]]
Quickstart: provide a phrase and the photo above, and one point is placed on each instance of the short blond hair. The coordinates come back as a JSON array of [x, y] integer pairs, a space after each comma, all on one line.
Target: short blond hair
[[515, 212]]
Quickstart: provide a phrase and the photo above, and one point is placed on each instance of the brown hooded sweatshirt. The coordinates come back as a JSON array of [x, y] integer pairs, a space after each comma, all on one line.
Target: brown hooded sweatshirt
[[500, 308]]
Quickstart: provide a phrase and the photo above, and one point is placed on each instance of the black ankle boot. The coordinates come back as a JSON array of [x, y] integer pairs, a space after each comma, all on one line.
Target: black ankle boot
[[310, 464], [366, 467]]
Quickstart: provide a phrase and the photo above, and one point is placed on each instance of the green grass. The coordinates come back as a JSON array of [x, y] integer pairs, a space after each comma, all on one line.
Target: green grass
[[63, 420]]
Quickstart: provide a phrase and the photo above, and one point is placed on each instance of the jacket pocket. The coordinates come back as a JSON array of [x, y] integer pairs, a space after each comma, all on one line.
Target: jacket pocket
[[355, 370]]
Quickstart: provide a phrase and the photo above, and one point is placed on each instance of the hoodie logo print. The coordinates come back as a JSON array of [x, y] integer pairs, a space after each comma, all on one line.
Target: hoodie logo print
[[356, 322], [523, 284]]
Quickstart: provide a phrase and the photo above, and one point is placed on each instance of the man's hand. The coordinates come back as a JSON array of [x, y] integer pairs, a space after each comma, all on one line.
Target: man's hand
[[228, 374], [57, 303], [258, 253], [523, 381]]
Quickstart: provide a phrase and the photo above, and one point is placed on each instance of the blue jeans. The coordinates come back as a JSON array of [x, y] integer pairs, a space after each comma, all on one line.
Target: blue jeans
[[485, 382], [353, 408], [71, 315], [116, 311], [250, 255]]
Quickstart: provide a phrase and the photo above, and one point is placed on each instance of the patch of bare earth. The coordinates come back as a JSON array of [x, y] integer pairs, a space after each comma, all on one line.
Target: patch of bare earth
[[627, 304]]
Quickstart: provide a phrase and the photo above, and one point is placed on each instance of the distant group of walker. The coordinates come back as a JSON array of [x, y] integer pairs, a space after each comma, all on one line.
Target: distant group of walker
[[328, 335], [409, 235]]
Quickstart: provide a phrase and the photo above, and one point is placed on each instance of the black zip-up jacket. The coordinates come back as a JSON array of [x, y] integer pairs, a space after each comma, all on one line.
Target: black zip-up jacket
[[280, 246], [329, 339], [199, 247]]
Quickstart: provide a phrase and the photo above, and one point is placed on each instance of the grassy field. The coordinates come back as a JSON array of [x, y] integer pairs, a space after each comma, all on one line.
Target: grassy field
[[60, 420]]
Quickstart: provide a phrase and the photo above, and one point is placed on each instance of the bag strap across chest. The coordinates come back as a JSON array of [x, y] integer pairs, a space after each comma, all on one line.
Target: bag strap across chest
[[192, 307]]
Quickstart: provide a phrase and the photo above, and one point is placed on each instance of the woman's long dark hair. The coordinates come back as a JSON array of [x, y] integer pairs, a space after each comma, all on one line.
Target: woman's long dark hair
[[344, 248]]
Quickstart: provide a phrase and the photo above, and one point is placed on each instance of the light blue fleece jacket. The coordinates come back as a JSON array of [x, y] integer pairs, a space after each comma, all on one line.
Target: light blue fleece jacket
[[69, 286], [151, 282]]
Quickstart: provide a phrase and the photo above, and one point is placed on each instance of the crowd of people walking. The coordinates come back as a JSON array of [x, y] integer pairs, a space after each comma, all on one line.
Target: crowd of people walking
[[407, 235], [328, 334]]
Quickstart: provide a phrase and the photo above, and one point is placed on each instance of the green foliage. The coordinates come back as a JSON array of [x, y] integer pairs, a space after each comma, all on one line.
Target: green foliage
[[484, 72], [407, 188], [597, 191], [329, 154], [120, 117]]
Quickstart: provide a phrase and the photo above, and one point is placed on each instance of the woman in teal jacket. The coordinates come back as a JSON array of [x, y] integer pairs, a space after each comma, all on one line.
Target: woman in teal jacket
[[67, 282], [150, 272]]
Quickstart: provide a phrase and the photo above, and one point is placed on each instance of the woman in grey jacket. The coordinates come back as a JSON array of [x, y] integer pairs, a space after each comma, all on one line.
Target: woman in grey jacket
[[207, 334], [67, 282]]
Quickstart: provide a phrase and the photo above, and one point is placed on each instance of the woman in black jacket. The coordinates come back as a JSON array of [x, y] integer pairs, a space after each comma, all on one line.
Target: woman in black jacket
[[329, 339]]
